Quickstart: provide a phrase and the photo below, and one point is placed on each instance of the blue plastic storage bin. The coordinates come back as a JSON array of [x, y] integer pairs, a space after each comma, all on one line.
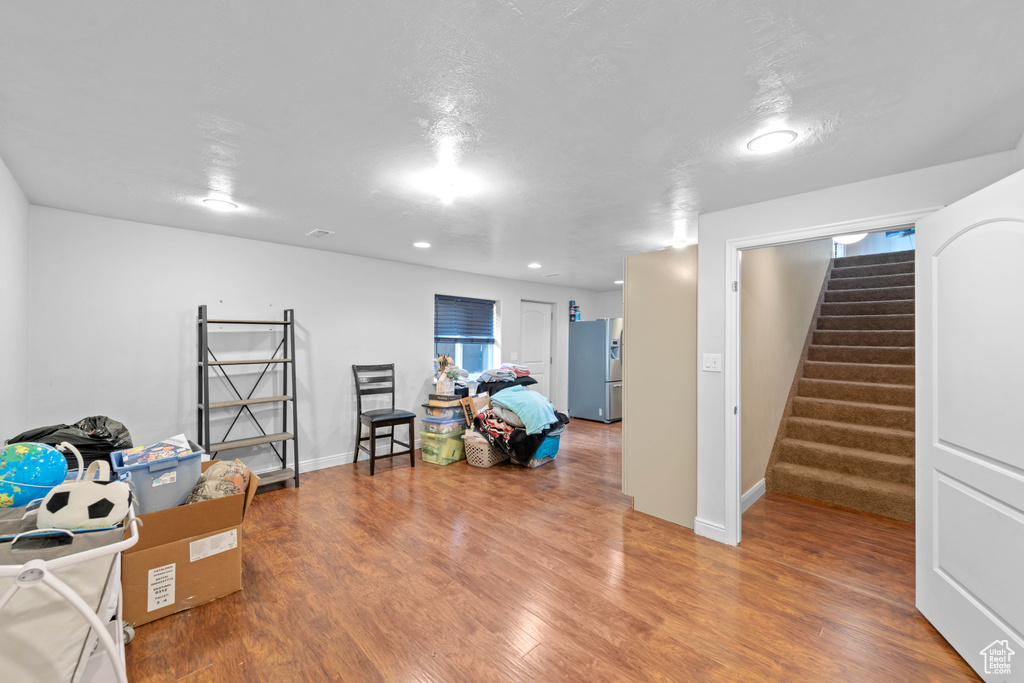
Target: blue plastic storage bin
[[548, 449], [164, 483]]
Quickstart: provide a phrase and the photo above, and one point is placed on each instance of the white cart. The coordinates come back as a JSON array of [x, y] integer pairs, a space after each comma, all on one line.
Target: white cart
[[60, 602]]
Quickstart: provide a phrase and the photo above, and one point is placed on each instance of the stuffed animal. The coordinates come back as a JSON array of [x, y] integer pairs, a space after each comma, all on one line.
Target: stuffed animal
[[92, 503]]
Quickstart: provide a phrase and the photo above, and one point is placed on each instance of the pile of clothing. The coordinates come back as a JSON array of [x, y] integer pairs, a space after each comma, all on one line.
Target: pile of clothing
[[518, 423], [508, 375]]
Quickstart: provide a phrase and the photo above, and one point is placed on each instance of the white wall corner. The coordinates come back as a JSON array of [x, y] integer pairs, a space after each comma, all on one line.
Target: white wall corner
[[751, 496], [716, 532]]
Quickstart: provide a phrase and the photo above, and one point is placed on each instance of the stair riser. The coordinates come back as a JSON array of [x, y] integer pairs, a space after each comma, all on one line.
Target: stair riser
[[862, 354], [866, 322], [845, 435], [866, 414], [876, 338], [869, 308], [896, 470], [900, 268], [873, 259], [874, 294], [860, 372], [871, 282], [896, 506], [856, 391]]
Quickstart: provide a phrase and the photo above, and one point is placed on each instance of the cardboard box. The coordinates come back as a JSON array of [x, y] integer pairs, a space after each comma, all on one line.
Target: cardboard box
[[186, 556]]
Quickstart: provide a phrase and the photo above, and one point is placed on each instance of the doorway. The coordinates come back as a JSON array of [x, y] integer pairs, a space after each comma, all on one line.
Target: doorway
[[733, 346], [535, 348]]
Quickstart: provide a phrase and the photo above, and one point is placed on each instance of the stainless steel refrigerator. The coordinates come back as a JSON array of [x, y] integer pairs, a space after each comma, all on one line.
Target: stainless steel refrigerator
[[595, 369]]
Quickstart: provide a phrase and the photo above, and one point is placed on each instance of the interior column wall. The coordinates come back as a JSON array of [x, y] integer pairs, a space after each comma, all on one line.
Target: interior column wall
[[14, 306]]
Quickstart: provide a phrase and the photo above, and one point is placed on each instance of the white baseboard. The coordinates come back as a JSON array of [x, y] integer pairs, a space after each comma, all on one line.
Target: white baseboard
[[751, 496], [716, 532], [325, 461]]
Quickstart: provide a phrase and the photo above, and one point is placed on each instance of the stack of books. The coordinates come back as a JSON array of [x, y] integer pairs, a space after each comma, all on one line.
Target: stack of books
[[444, 400]]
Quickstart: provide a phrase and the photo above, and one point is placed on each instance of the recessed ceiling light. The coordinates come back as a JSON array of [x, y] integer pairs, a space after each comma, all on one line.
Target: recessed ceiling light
[[421, 245], [319, 232], [533, 265], [220, 204], [850, 239], [771, 142], [618, 282]]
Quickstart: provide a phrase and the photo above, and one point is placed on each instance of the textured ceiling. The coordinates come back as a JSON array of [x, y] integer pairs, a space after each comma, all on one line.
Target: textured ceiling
[[597, 128]]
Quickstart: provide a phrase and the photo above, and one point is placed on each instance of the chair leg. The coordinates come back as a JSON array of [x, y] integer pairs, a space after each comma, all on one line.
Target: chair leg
[[412, 441], [373, 447], [392, 435], [359, 433]]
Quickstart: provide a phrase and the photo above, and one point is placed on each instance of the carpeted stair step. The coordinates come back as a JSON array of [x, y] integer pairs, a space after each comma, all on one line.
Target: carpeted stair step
[[878, 497], [855, 461], [873, 282], [852, 412], [860, 372], [866, 322], [863, 338], [871, 294], [898, 268], [863, 392], [897, 307], [887, 355], [873, 259], [878, 439]]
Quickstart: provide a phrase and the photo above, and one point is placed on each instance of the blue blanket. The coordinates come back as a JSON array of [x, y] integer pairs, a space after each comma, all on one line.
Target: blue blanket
[[534, 410]]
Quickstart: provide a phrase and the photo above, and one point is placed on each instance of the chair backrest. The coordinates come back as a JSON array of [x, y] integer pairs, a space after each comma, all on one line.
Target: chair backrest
[[374, 379]]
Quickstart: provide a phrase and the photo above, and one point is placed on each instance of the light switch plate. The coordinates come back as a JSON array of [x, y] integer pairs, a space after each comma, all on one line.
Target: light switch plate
[[712, 362], [515, 355]]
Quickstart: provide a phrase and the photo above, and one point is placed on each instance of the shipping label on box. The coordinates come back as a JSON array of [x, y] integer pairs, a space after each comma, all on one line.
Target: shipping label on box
[[161, 587], [213, 545]]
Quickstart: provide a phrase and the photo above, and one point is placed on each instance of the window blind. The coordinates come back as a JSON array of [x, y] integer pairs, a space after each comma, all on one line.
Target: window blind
[[463, 320]]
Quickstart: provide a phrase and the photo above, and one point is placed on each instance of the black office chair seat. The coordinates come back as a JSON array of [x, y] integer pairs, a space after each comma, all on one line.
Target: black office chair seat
[[385, 414]]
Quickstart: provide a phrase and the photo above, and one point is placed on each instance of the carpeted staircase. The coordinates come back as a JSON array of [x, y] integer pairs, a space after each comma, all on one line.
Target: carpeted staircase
[[848, 432]]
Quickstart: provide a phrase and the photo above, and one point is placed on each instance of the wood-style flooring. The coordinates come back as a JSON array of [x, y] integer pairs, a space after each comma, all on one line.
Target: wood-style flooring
[[507, 574]]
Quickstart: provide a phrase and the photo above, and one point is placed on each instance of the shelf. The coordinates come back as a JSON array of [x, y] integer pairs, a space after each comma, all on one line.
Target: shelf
[[245, 443], [262, 361], [249, 402], [276, 476], [249, 322]]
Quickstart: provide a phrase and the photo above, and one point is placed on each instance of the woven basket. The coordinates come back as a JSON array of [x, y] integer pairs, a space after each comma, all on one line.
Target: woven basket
[[480, 453]]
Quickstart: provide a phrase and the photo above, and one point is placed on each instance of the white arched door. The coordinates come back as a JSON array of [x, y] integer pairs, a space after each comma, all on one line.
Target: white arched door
[[535, 320], [970, 427]]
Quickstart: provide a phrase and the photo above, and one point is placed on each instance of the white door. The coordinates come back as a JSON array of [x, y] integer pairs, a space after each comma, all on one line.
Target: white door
[[535, 343], [970, 427]]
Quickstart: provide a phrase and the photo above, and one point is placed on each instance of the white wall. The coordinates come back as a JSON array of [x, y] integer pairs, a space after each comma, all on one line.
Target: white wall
[[878, 243], [779, 287], [14, 311], [904, 192], [118, 300], [604, 305]]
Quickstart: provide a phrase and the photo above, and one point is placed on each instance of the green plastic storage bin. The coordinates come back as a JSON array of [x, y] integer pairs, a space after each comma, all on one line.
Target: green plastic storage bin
[[442, 449]]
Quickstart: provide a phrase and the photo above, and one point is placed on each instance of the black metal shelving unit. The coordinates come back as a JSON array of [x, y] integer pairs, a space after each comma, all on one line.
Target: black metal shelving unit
[[283, 358]]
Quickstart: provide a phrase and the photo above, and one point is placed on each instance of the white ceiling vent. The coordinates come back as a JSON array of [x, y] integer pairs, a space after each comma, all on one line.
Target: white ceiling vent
[[319, 233]]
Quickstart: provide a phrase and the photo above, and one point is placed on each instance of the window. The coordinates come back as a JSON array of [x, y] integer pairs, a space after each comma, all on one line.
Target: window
[[464, 329]]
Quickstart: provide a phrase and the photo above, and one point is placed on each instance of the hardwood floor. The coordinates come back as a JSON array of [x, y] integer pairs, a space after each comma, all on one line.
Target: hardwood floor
[[507, 574]]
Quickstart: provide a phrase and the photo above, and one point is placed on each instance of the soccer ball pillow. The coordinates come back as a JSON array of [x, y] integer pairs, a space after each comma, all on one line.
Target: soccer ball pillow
[[87, 504]]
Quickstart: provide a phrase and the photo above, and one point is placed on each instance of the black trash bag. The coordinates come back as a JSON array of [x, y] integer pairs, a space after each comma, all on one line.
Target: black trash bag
[[95, 438]]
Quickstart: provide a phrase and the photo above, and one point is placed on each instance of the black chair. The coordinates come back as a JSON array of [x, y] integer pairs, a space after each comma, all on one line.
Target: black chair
[[380, 379]]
